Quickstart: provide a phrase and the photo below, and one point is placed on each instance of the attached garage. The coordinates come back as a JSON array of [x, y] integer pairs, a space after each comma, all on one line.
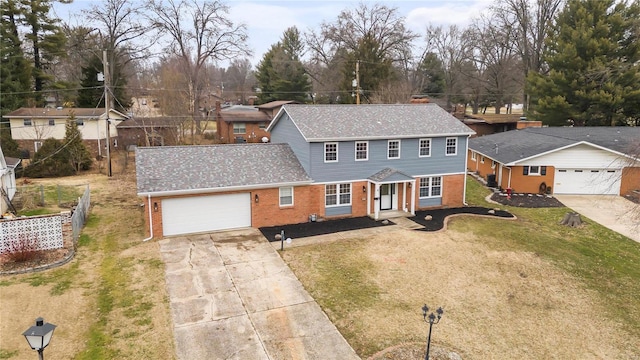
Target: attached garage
[[587, 181], [187, 215]]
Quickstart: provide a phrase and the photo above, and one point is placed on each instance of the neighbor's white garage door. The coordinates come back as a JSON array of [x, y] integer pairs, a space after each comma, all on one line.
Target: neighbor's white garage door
[[205, 213], [587, 181]]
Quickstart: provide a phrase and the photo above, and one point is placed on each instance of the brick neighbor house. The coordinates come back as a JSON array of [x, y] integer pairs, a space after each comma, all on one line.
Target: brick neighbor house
[[323, 162], [560, 160]]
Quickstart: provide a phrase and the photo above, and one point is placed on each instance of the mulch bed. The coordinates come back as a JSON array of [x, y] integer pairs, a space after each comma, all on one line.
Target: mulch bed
[[527, 200], [438, 216], [322, 227]]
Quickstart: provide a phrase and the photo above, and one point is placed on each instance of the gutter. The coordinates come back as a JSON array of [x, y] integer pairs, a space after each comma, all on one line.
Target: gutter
[[150, 220], [222, 189]]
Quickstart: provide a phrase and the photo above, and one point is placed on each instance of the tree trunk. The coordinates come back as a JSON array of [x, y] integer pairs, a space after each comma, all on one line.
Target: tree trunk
[[571, 219]]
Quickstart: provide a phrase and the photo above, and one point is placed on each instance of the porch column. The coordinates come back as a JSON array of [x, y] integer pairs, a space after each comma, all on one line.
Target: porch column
[[404, 197], [368, 194], [376, 202], [413, 197]]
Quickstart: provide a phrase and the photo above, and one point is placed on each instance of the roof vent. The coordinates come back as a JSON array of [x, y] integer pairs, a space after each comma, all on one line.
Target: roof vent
[[59, 108]]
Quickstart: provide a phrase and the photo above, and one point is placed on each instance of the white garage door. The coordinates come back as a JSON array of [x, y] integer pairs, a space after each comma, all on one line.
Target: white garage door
[[587, 181], [205, 213]]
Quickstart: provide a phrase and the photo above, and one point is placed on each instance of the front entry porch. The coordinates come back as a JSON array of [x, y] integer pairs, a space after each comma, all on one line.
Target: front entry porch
[[390, 193]]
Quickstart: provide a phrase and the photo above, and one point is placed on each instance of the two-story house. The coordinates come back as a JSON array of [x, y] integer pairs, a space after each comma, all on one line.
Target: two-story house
[[324, 161], [31, 126]]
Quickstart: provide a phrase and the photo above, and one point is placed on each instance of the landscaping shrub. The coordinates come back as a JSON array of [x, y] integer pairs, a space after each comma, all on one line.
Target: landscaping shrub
[[24, 248]]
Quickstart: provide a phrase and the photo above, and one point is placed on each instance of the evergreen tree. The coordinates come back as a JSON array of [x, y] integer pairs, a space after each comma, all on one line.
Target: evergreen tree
[[15, 72], [51, 160], [91, 94], [280, 74], [78, 156], [432, 72], [375, 68], [594, 59], [46, 40]]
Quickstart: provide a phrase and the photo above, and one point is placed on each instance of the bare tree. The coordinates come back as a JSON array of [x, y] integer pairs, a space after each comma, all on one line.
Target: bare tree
[[530, 21], [212, 36]]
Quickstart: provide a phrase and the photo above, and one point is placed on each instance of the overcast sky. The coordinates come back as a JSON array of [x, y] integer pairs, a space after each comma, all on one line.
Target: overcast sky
[[266, 20]]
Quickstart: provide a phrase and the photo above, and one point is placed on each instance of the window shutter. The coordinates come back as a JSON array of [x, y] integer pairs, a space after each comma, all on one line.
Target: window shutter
[[543, 170], [525, 170]]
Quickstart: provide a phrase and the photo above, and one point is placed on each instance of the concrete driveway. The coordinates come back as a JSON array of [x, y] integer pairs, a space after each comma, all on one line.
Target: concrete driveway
[[614, 212], [233, 297]]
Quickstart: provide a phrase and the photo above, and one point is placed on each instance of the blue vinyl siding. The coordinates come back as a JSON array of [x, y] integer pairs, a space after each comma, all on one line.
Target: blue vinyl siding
[[285, 132], [436, 201], [337, 210], [410, 163]]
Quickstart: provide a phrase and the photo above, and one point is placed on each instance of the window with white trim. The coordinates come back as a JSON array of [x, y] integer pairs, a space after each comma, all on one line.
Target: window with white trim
[[239, 128], [425, 148], [393, 149], [474, 156], [534, 170], [452, 146], [481, 159], [362, 150], [52, 122], [337, 194], [27, 122], [286, 196], [431, 187], [331, 152]]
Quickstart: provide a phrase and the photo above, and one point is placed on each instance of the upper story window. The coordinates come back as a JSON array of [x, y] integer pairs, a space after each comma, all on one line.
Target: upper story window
[[286, 196], [393, 149], [79, 122], [425, 148], [52, 122], [362, 150], [337, 194], [27, 122], [474, 156], [239, 128], [452, 146], [493, 164], [262, 126], [331, 152]]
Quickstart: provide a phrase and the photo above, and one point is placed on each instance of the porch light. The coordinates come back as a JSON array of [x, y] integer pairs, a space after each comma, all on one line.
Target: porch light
[[364, 189], [39, 336], [155, 206], [257, 198]]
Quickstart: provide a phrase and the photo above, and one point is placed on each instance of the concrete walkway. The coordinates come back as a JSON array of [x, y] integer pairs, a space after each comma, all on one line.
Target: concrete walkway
[[613, 212], [233, 297]]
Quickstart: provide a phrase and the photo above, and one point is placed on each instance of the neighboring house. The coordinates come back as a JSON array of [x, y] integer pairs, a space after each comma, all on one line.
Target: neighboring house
[[273, 107], [30, 127], [560, 160], [240, 124], [153, 131], [8, 178], [325, 161], [485, 124]]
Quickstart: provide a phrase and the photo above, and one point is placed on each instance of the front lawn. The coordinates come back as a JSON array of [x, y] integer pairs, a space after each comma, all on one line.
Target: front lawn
[[528, 288]]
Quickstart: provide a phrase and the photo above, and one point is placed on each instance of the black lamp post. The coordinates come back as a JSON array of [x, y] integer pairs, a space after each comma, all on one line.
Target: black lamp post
[[431, 319], [39, 336]]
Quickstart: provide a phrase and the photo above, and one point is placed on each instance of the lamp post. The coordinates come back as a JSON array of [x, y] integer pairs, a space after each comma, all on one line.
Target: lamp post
[[39, 336], [431, 319]]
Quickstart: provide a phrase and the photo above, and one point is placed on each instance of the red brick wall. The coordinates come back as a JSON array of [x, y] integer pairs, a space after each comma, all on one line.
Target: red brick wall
[[630, 180], [530, 183], [478, 167], [252, 134], [453, 190]]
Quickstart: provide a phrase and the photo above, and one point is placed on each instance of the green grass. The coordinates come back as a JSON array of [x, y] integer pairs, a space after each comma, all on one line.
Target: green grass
[[39, 211], [5, 354], [61, 278], [605, 261]]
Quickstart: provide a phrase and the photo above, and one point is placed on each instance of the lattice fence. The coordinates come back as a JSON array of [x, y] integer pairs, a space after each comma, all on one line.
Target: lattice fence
[[45, 230]]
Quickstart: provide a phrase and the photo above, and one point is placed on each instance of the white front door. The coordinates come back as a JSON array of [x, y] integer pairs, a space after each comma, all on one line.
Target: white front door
[[386, 196]]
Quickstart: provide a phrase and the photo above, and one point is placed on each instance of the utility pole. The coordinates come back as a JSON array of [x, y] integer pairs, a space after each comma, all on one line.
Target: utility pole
[[105, 64], [358, 82]]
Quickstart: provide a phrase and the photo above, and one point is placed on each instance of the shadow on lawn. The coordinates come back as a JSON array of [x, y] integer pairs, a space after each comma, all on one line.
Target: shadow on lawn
[[436, 223]]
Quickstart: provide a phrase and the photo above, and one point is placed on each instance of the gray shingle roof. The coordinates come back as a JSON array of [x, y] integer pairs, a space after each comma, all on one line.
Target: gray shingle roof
[[189, 169], [389, 174], [58, 112], [513, 146], [343, 122]]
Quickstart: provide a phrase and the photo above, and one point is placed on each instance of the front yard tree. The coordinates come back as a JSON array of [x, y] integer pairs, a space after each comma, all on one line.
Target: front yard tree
[[594, 55], [280, 74], [78, 156]]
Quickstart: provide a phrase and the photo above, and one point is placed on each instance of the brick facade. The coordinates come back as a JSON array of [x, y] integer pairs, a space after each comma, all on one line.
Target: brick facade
[[630, 180], [530, 183], [453, 190]]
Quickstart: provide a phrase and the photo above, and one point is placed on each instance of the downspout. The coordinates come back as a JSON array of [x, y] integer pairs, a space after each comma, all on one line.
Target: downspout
[[150, 220], [466, 162]]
